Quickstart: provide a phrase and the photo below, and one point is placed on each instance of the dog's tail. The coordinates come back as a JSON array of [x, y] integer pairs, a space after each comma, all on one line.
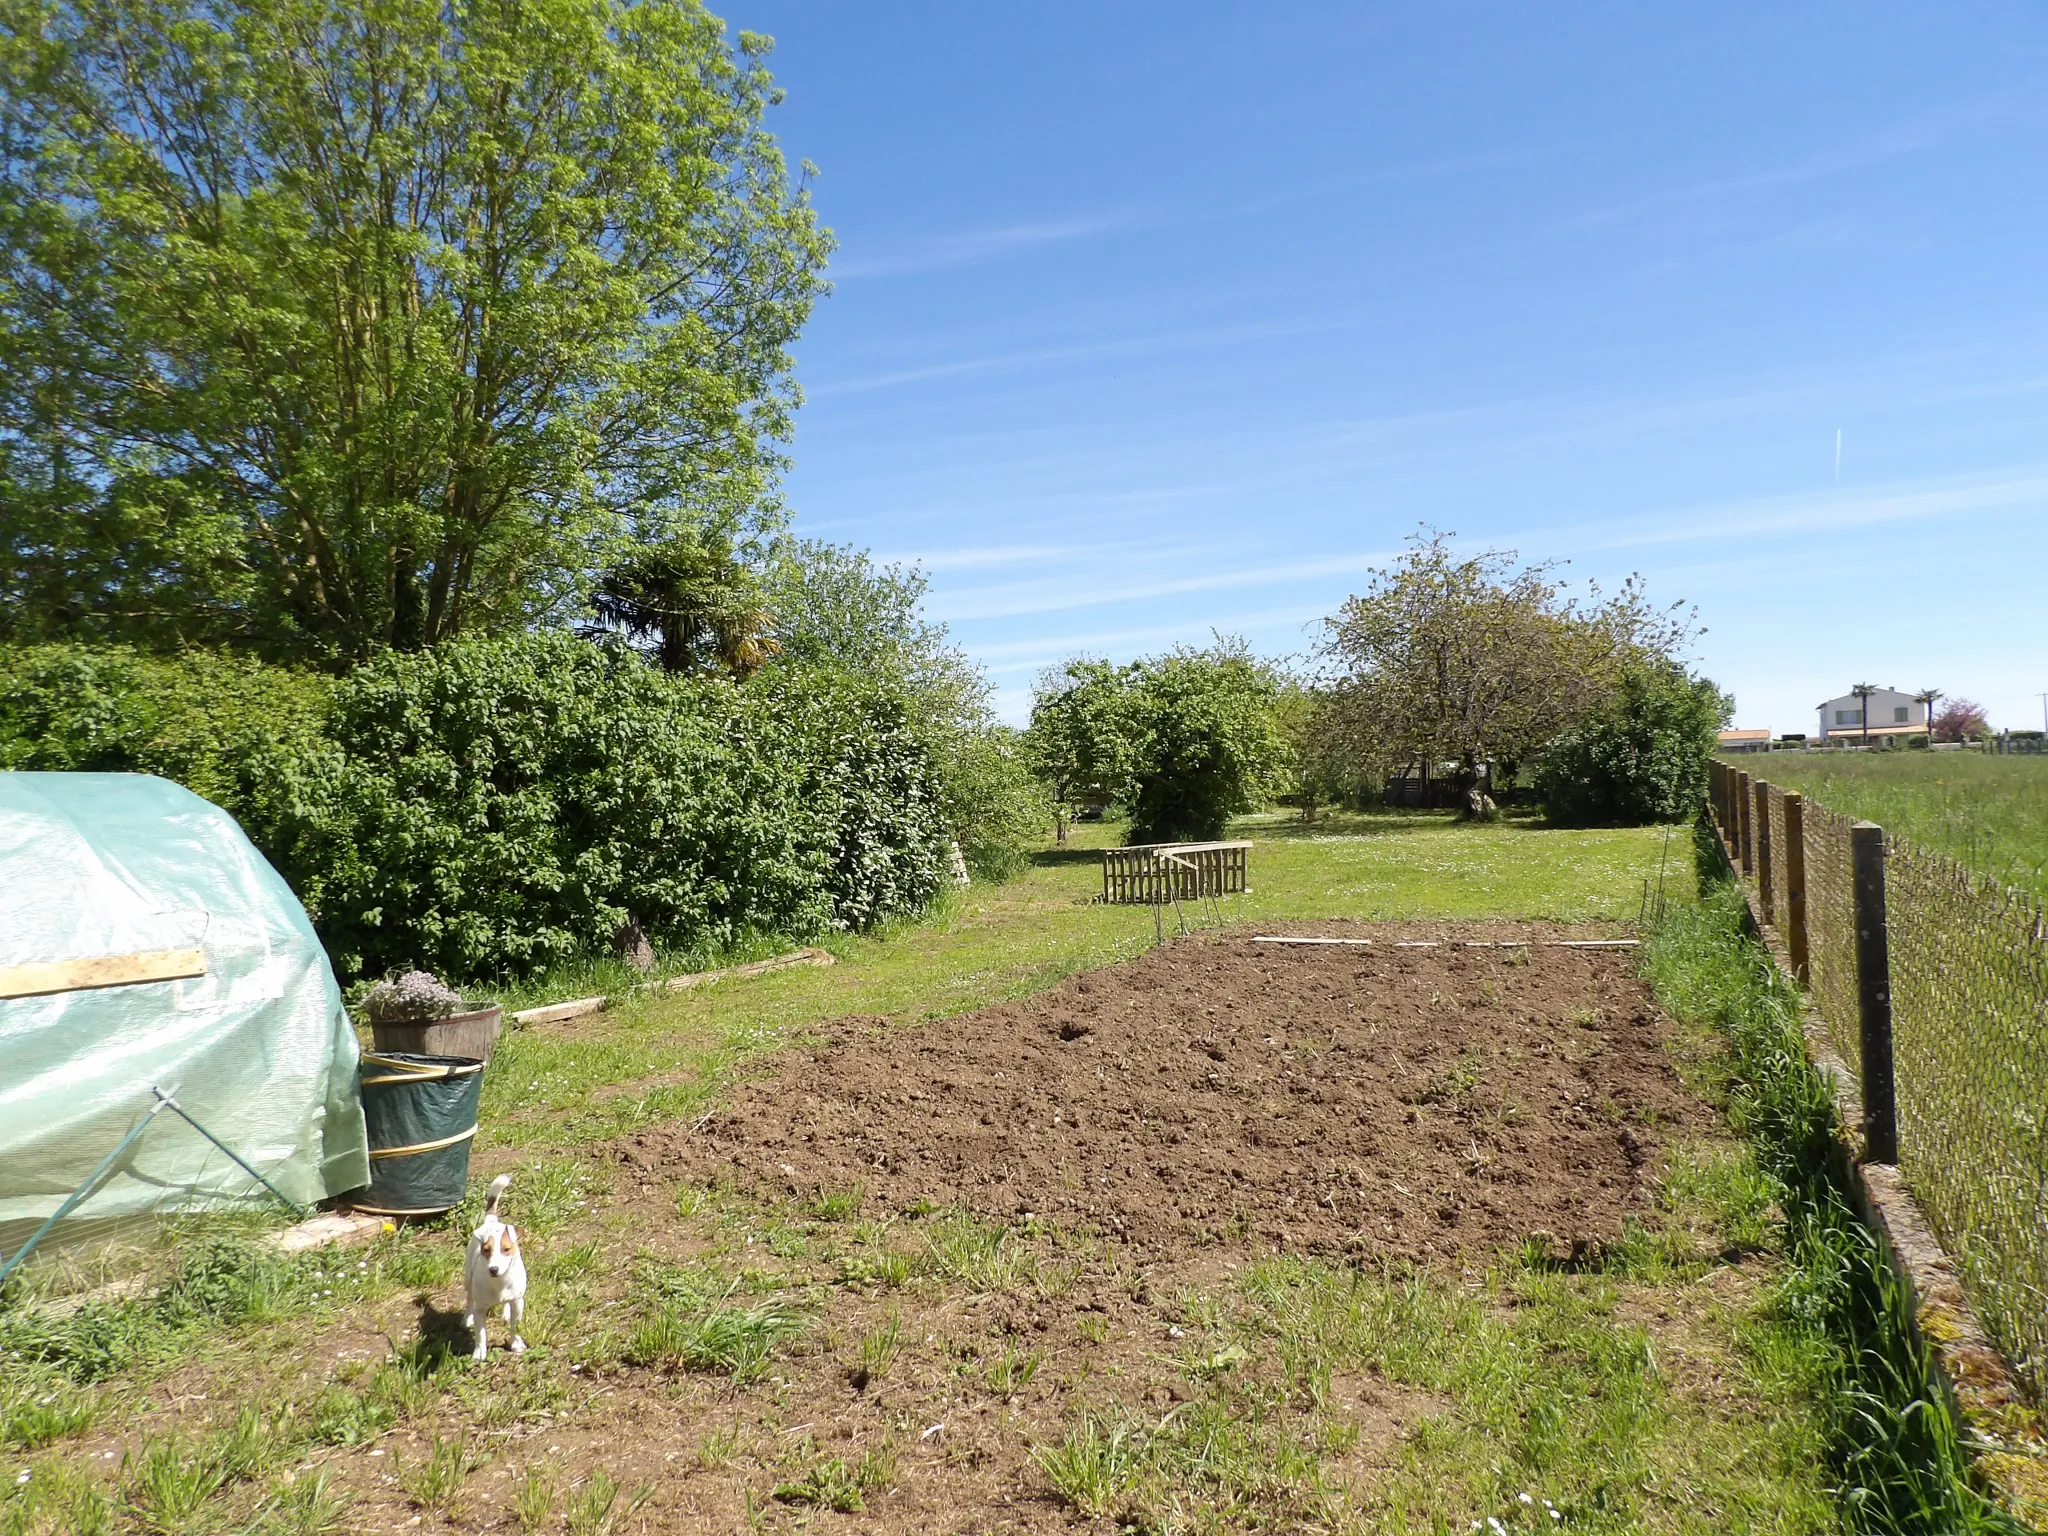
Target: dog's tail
[[496, 1193]]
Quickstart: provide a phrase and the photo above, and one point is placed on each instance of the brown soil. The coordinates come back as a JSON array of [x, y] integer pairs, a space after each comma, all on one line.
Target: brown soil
[[1418, 1103]]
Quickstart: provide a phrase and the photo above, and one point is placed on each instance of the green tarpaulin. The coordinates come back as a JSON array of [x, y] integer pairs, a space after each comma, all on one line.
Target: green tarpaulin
[[259, 1049]]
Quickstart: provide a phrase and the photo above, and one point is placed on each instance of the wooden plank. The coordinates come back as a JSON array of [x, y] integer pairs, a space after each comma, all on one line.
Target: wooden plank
[[554, 1013], [754, 968], [52, 976]]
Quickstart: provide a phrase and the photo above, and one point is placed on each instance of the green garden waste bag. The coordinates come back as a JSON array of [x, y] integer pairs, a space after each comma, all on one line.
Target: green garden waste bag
[[119, 874], [421, 1112]]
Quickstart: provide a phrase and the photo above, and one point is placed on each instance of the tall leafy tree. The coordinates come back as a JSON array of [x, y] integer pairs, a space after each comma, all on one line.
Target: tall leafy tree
[[1186, 740], [833, 606], [335, 325], [1083, 740], [1474, 658]]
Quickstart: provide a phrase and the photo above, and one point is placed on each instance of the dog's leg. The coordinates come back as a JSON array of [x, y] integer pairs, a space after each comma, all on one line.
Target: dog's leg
[[477, 1322], [515, 1311]]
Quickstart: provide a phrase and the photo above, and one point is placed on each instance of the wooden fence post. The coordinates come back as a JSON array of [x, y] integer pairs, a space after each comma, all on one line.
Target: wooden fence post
[[1794, 865], [1766, 855], [1874, 995], [1745, 832]]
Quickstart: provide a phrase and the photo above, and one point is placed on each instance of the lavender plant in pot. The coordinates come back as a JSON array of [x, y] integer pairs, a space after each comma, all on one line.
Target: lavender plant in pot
[[416, 1013]]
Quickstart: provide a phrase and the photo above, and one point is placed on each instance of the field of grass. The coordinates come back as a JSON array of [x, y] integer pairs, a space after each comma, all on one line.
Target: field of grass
[[1673, 1386], [1989, 812]]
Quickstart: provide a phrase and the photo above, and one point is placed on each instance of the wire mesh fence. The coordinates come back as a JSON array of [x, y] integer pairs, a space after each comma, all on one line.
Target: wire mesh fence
[[1967, 977], [1831, 928], [1774, 827], [1969, 980]]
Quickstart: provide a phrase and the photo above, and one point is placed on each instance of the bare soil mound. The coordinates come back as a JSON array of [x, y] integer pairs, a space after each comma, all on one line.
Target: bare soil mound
[[1423, 1103]]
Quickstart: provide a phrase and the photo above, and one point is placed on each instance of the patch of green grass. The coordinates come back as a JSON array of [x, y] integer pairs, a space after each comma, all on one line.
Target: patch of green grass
[[1097, 1462], [1838, 1318], [40, 1408], [1986, 811], [838, 1204], [698, 1334], [980, 1255], [308, 1504], [56, 1500], [170, 1484], [880, 1347], [434, 1482], [1010, 1372], [838, 1484], [594, 1509]]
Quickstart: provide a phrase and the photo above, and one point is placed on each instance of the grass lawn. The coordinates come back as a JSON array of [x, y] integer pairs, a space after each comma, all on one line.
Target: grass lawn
[[1989, 812], [694, 1344]]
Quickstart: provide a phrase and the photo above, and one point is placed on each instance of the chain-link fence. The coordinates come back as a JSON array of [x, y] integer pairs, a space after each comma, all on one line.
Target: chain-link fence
[[1831, 926], [1967, 987], [1969, 993]]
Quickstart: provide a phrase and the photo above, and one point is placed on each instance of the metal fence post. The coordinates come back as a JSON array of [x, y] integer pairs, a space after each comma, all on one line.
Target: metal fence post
[[1745, 832], [1874, 995], [1765, 854], [1794, 865]]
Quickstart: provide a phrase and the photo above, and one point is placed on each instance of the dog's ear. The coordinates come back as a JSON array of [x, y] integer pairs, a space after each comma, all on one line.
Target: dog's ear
[[508, 1239]]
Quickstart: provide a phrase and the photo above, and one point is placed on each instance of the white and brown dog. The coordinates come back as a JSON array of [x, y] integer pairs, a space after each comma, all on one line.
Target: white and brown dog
[[495, 1272]]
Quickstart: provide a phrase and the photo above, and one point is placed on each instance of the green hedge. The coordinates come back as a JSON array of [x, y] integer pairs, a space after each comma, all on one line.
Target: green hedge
[[230, 729], [496, 807], [1642, 759]]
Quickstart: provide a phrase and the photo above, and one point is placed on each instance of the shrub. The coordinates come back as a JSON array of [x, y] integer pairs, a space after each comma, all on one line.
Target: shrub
[[1209, 743], [1642, 758], [994, 803], [228, 728], [504, 805], [497, 806], [1186, 740]]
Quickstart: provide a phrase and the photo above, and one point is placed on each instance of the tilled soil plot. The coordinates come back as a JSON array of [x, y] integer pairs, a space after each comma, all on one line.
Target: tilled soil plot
[[1420, 1103]]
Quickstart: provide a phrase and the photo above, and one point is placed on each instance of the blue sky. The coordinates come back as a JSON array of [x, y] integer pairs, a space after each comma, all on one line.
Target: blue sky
[[1155, 319]]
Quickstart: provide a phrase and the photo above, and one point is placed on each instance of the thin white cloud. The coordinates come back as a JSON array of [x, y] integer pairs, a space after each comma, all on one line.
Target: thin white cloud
[[1019, 599], [1922, 131], [1005, 555], [1039, 357], [964, 247], [1821, 512], [1047, 650]]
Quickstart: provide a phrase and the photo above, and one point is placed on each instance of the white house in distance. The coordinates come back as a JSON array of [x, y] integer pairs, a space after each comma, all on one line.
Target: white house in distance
[[1892, 713]]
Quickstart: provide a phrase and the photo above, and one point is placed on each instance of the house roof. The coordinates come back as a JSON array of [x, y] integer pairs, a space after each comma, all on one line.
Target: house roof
[[1745, 735]]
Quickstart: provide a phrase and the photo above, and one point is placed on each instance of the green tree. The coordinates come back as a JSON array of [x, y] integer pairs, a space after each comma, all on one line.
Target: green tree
[[1475, 659], [1083, 739], [1642, 757], [690, 604], [1333, 759], [327, 327], [829, 605], [1186, 740], [1209, 744]]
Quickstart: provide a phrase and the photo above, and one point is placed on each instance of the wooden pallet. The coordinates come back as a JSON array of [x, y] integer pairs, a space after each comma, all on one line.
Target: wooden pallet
[[1152, 874]]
